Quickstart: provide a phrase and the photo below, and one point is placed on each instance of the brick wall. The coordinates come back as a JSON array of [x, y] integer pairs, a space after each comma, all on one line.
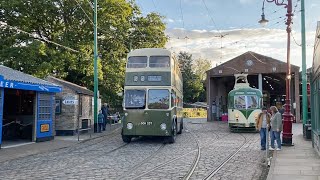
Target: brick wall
[[68, 118]]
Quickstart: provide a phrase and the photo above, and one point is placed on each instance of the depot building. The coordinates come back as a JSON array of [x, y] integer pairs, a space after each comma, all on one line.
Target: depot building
[[264, 73], [27, 106]]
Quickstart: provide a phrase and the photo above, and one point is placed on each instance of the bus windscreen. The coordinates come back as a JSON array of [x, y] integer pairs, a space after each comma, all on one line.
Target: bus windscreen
[[135, 99]]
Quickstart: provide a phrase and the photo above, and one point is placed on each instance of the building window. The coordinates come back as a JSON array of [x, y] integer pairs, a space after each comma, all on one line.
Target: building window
[[44, 106], [58, 106]]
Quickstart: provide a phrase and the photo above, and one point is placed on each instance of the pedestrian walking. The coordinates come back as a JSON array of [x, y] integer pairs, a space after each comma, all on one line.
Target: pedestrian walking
[[100, 121], [276, 128], [104, 109], [262, 122]]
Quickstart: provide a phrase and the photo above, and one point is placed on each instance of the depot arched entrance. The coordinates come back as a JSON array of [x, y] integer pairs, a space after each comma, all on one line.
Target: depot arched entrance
[[265, 73]]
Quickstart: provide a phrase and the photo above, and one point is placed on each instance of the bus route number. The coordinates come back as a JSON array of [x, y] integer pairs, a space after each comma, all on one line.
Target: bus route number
[[146, 123]]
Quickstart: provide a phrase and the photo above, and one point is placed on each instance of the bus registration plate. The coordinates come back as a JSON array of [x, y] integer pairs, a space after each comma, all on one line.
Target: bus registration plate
[[146, 123]]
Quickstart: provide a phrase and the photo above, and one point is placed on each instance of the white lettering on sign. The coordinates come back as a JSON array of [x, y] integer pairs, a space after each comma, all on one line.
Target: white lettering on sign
[[239, 93], [252, 93], [70, 102], [6, 84]]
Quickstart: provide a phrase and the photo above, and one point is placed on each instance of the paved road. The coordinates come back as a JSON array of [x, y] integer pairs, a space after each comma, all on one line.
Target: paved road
[[198, 151]]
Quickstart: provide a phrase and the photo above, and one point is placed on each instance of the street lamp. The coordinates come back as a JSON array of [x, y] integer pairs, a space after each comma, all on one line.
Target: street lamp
[[287, 115]]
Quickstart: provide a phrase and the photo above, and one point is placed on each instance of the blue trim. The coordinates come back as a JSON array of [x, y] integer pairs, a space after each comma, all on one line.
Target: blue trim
[[27, 86], [44, 122], [1, 113]]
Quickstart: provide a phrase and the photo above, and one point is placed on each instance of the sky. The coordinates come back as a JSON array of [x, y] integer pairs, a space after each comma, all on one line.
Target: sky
[[221, 30]]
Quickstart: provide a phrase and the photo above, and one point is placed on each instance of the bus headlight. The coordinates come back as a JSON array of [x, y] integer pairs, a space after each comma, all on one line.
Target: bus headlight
[[256, 115], [129, 126], [163, 126]]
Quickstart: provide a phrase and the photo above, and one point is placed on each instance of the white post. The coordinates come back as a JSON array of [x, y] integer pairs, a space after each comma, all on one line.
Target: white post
[[260, 81]]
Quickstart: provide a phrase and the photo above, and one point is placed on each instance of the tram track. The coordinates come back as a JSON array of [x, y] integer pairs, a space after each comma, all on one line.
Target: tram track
[[194, 164], [141, 163], [221, 165], [94, 141]]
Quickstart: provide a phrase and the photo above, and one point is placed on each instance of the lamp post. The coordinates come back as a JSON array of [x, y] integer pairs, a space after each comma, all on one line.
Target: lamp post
[[287, 115], [95, 106]]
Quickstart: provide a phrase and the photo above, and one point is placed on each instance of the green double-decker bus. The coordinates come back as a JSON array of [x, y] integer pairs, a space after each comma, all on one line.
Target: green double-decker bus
[[153, 96]]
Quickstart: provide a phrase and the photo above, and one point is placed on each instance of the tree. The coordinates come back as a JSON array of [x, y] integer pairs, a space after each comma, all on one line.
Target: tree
[[200, 67], [69, 23], [192, 84]]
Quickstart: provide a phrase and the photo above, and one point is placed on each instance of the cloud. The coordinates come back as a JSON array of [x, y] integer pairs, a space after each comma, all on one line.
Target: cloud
[[209, 45], [169, 20]]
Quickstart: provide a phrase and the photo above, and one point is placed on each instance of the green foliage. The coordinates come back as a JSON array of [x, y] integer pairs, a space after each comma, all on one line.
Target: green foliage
[[120, 28], [192, 84], [200, 67]]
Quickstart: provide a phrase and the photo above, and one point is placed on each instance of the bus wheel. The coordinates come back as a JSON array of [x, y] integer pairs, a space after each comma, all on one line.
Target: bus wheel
[[126, 139], [181, 127], [172, 138]]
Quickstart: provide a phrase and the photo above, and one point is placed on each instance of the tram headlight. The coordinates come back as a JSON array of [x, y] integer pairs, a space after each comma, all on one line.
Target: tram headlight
[[163, 126], [129, 126], [236, 115]]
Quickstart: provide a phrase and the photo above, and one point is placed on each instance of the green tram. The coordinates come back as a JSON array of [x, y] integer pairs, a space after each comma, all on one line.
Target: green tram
[[153, 96], [244, 104]]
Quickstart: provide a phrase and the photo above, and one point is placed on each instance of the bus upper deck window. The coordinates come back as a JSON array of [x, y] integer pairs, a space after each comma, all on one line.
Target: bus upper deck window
[[159, 61], [137, 62]]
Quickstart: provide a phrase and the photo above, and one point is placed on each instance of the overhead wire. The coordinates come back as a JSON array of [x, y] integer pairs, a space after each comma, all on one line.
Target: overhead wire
[[182, 18], [88, 17], [41, 39], [142, 34]]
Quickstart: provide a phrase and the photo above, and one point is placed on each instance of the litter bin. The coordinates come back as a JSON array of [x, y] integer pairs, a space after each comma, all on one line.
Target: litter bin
[[307, 130]]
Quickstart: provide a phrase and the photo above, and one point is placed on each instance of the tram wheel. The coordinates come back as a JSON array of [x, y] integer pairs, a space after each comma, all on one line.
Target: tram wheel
[[172, 138], [126, 139]]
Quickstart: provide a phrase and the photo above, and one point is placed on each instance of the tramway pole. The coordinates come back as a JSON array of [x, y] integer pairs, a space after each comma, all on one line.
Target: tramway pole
[[304, 66], [95, 106], [287, 115]]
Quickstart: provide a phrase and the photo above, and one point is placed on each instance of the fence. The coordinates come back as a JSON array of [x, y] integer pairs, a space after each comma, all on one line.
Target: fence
[[194, 113]]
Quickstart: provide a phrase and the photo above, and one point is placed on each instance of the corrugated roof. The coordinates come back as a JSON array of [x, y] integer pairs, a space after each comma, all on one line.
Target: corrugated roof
[[74, 87], [18, 76]]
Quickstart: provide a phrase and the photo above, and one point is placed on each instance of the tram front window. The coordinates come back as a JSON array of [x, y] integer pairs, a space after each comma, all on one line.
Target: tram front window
[[252, 102], [246, 102], [240, 102], [135, 99], [158, 99]]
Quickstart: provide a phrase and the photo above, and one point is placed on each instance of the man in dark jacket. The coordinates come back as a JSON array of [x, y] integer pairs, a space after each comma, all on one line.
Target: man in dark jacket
[[104, 109]]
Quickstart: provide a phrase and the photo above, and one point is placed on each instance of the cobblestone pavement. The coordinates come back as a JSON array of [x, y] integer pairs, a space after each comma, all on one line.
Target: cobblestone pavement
[[148, 158]]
